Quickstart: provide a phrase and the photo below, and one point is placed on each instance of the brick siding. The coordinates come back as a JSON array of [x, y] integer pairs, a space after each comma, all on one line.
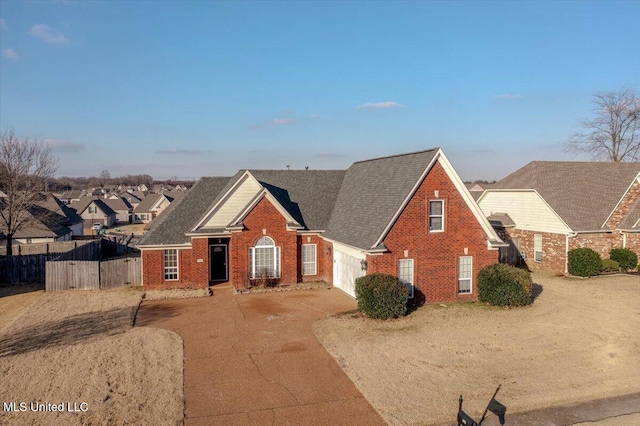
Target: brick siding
[[629, 199], [436, 254]]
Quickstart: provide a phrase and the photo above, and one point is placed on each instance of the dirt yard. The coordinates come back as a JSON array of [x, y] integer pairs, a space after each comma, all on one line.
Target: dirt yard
[[578, 341], [79, 347]]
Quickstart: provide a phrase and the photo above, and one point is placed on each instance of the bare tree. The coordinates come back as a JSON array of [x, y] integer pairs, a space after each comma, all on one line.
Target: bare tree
[[25, 166], [613, 133], [104, 178]]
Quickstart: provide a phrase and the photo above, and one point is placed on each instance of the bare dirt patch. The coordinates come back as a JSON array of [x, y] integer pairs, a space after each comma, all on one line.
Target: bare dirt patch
[[75, 347], [578, 341], [16, 299]]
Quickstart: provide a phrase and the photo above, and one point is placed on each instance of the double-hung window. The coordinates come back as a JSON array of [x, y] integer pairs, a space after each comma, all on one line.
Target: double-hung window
[[264, 259], [309, 263], [405, 274], [465, 273], [436, 215], [171, 264], [537, 248]]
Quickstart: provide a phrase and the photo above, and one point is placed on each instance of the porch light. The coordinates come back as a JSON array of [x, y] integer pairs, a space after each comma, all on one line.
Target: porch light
[[363, 264]]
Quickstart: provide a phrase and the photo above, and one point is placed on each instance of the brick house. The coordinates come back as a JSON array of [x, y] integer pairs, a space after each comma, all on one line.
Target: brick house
[[552, 207], [408, 215]]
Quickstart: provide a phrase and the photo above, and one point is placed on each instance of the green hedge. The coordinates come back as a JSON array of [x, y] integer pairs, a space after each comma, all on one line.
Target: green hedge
[[609, 265], [584, 262], [504, 285], [627, 259], [381, 296]]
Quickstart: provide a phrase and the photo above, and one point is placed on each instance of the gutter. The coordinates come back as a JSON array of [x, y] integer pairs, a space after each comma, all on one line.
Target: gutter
[[566, 250]]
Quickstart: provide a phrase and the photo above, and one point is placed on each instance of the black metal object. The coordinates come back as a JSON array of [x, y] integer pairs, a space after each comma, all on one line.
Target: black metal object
[[494, 406]]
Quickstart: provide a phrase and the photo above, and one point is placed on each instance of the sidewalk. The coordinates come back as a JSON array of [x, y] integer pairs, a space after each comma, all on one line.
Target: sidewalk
[[623, 410]]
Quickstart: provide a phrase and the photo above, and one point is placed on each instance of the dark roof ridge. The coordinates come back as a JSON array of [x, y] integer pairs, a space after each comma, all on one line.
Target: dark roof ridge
[[435, 148]]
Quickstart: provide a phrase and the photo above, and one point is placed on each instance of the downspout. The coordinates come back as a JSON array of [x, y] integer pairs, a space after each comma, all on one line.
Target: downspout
[[624, 238], [566, 250]]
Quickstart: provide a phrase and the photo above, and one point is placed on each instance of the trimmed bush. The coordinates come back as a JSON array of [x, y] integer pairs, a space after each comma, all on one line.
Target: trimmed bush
[[609, 265], [504, 285], [626, 258], [584, 262], [381, 296]]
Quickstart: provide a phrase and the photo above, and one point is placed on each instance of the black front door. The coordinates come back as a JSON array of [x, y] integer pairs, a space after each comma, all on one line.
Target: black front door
[[218, 262]]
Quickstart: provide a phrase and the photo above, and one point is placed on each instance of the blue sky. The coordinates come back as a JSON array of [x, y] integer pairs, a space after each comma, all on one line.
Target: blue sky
[[203, 88]]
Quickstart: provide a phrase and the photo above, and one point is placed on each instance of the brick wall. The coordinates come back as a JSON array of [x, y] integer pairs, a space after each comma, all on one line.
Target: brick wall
[[323, 271], [153, 271], [553, 249], [263, 216], [633, 242], [436, 254], [553, 246]]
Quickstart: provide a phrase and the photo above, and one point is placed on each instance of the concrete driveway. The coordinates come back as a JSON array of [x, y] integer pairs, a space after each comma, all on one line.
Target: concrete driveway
[[254, 359]]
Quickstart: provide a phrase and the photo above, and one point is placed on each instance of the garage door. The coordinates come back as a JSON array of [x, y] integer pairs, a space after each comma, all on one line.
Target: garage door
[[346, 268]]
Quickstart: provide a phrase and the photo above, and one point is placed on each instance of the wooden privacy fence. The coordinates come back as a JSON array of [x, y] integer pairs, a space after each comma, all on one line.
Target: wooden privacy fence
[[43, 248], [24, 269], [93, 275]]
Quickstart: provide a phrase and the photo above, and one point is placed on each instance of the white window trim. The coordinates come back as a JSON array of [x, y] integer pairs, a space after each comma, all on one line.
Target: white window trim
[[413, 274], [277, 261], [535, 237], [315, 259], [465, 279], [164, 266], [441, 216]]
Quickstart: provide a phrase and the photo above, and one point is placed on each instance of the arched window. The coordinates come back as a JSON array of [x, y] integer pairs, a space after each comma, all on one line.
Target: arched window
[[264, 259]]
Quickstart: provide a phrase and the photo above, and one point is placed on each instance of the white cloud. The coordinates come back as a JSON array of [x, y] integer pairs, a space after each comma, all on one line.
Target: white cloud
[[282, 120], [64, 146], [378, 105], [181, 151], [47, 34], [314, 116], [509, 96], [10, 53]]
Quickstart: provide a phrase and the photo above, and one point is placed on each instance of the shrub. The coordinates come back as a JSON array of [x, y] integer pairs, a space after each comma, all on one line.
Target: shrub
[[609, 265], [504, 285], [584, 262], [625, 257], [381, 296]]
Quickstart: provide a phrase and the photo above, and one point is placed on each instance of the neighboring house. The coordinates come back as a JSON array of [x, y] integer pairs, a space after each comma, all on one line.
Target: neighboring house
[[150, 207], [553, 207], [50, 220], [121, 207], [69, 197], [407, 215], [129, 197], [94, 210]]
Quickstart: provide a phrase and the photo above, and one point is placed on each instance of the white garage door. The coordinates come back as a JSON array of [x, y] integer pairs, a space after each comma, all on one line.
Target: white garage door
[[346, 268]]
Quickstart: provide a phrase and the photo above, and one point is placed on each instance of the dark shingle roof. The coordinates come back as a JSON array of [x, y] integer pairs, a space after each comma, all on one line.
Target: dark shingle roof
[[117, 204], [582, 193], [177, 219], [501, 220], [308, 195], [146, 204], [372, 191]]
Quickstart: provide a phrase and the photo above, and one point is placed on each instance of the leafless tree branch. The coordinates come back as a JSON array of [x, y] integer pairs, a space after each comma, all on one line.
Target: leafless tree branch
[[613, 134], [25, 166]]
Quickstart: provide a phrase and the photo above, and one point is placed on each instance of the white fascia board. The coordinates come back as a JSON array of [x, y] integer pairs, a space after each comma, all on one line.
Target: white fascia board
[[466, 196], [407, 199], [354, 248], [223, 199], [636, 179], [164, 246]]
